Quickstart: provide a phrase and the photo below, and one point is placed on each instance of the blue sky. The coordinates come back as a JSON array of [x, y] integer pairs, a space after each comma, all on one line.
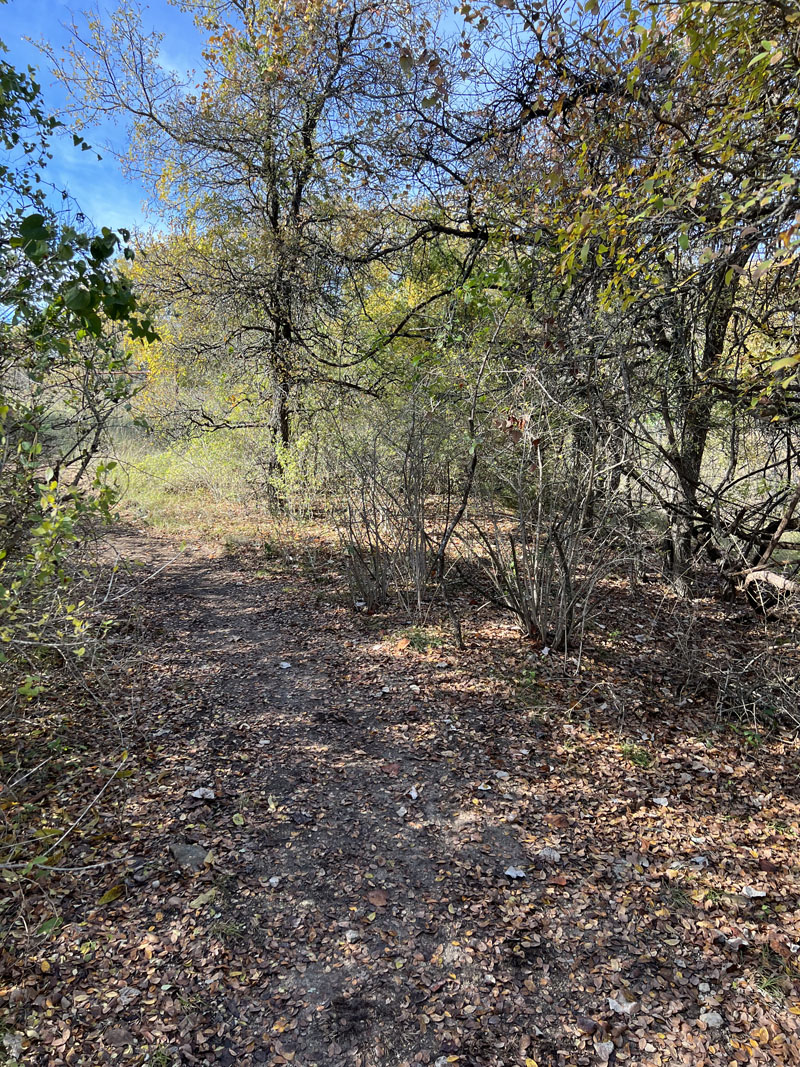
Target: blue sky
[[99, 189]]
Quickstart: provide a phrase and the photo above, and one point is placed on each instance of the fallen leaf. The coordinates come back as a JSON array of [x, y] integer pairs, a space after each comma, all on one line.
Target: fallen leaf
[[377, 898], [556, 820], [203, 899], [110, 895]]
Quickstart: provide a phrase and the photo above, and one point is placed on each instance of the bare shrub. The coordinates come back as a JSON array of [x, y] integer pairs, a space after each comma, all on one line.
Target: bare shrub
[[547, 528]]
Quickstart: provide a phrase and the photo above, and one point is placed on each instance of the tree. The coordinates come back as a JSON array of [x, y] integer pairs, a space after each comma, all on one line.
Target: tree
[[259, 171], [63, 370], [652, 157]]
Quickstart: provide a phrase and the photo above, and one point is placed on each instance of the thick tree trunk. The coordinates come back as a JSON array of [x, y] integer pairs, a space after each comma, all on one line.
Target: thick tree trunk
[[688, 433]]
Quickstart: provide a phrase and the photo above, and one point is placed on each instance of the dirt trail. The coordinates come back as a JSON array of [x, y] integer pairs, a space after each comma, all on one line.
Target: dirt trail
[[337, 846], [343, 880]]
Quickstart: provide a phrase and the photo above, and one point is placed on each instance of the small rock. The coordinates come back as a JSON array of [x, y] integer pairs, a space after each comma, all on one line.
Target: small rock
[[514, 872], [203, 793], [13, 1045], [604, 1050], [118, 1036], [174, 902], [712, 1019], [501, 775], [587, 1025], [752, 893], [187, 855], [737, 943], [661, 802], [352, 935], [274, 881], [549, 855], [284, 665], [622, 1003]]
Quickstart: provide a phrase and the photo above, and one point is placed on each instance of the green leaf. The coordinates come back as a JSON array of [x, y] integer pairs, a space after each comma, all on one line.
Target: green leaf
[[77, 298], [50, 925], [34, 228]]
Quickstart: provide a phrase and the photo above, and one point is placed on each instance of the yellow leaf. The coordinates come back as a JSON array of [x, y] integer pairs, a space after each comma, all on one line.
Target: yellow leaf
[[44, 966], [530, 1063], [114, 893]]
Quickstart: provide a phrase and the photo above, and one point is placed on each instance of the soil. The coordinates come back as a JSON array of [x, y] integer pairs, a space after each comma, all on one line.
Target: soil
[[402, 852]]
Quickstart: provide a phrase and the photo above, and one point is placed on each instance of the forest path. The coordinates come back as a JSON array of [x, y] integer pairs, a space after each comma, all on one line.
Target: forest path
[[346, 849], [340, 842]]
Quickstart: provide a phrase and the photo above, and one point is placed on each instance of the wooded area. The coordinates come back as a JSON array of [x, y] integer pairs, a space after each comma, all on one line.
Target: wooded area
[[471, 333]]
